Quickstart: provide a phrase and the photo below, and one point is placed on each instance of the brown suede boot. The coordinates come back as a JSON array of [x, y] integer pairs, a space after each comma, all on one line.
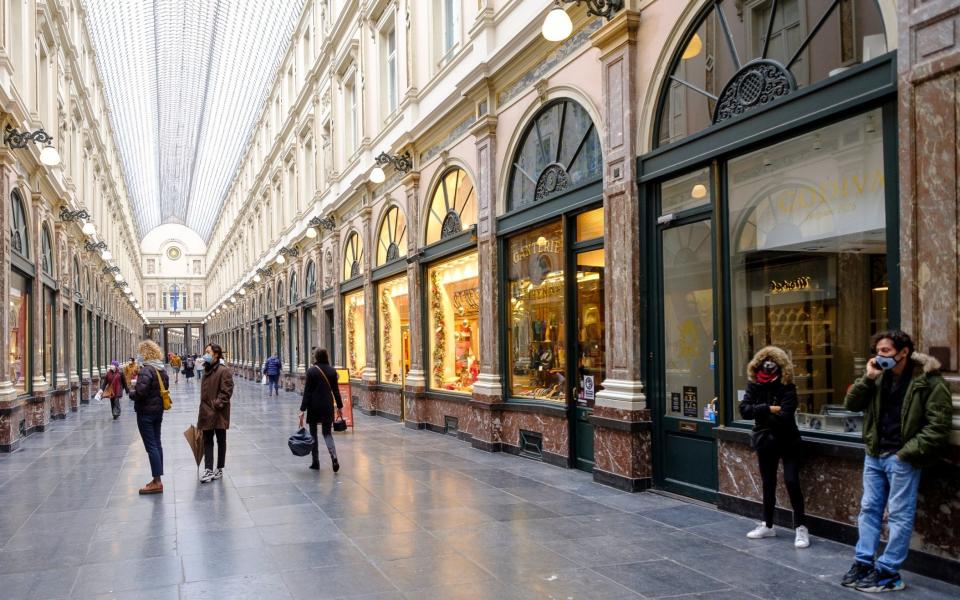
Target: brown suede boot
[[152, 488]]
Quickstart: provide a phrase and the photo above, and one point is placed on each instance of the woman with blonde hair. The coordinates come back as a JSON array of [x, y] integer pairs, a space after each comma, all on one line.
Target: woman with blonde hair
[[148, 404]]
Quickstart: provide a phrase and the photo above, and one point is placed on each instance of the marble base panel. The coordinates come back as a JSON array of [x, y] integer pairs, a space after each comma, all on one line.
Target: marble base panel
[[59, 399], [74, 397], [289, 382], [622, 448], [35, 411], [833, 486], [10, 419], [376, 400]]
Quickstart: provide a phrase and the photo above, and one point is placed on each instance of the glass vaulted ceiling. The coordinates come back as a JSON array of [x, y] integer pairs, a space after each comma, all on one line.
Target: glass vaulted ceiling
[[185, 81]]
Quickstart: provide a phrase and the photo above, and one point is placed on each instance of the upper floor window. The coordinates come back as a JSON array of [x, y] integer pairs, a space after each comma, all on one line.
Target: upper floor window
[[392, 240], [741, 56], [388, 58], [279, 294], [352, 257], [46, 262], [294, 290], [151, 266], [559, 151], [310, 280], [453, 207], [350, 107], [449, 27], [19, 235]]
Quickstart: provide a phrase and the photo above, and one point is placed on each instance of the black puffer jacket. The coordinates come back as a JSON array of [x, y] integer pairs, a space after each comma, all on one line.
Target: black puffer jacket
[[146, 394], [759, 397], [317, 400]]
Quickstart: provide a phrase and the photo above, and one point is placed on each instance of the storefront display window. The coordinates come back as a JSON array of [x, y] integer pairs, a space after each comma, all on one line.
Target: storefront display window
[[453, 207], [354, 340], [800, 50], [392, 241], [590, 225], [19, 323], [393, 314], [352, 257], [590, 325], [453, 303], [536, 326], [294, 343], [49, 308], [808, 255]]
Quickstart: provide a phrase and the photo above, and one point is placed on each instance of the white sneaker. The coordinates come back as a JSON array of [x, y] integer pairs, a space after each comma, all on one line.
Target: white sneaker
[[762, 531], [218, 474], [803, 537], [207, 476]]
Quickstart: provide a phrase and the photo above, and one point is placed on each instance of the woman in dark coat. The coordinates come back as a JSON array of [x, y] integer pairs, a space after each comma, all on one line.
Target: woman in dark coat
[[148, 405], [771, 400], [319, 393], [216, 389]]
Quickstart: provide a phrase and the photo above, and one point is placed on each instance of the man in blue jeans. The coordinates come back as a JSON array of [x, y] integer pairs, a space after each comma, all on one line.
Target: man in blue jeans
[[272, 370], [906, 424]]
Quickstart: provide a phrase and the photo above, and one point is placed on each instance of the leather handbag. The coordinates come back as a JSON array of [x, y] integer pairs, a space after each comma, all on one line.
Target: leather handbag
[[164, 392], [300, 443], [339, 424]]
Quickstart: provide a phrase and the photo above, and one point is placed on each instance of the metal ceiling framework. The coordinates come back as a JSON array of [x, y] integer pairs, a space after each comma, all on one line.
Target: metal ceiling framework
[[185, 82]]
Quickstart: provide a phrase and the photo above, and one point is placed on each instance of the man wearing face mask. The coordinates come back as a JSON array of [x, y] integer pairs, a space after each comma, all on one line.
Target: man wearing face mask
[[906, 425]]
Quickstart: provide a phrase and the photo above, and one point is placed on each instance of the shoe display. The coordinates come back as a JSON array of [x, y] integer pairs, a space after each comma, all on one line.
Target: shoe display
[[878, 581], [857, 572], [803, 538], [207, 476], [762, 531]]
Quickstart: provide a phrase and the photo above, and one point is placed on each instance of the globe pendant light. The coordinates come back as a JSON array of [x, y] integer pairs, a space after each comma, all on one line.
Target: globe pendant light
[[557, 26]]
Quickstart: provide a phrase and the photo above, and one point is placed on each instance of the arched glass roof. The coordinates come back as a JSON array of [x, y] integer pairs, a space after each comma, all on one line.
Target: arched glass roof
[[185, 82]]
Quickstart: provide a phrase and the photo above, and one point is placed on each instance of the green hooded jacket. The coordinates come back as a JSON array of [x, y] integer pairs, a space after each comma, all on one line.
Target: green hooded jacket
[[925, 417]]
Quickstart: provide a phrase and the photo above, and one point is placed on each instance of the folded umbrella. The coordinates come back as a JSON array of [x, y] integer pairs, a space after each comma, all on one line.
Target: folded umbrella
[[195, 440]]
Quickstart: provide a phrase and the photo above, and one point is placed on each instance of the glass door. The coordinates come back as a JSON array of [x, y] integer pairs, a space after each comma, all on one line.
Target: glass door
[[590, 350], [687, 454]]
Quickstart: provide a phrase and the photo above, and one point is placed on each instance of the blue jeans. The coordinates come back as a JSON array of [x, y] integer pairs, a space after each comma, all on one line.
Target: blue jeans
[[887, 483], [274, 383], [149, 426]]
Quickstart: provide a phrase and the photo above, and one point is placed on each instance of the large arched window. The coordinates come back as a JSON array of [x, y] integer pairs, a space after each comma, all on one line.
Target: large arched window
[[453, 206], [269, 304], [46, 260], [559, 152], [352, 257], [76, 276], [280, 293], [741, 56], [294, 290], [19, 235], [310, 280], [392, 240]]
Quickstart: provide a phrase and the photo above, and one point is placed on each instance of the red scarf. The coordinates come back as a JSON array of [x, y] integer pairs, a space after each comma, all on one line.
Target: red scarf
[[764, 377]]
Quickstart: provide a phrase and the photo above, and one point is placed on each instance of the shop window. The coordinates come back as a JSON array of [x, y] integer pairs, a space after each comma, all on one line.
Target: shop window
[[717, 74], [590, 225], [808, 256], [591, 343], [19, 236], [353, 257], [19, 352], [685, 192], [392, 239], [453, 303], [46, 251], [559, 152], [354, 340], [453, 208], [310, 280], [49, 313], [393, 314], [535, 330]]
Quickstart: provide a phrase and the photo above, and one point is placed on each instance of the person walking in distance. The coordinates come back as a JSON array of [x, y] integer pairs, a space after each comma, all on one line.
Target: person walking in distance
[[189, 366], [771, 401], [216, 390], [177, 363], [272, 370], [148, 404], [130, 371], [113, 386], [320, 391], [907, 412]]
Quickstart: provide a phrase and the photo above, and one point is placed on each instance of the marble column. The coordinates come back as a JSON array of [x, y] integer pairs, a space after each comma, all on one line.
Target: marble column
[[10, 409], [621, 419], [38, 404], [415, 384], [335, 277], [71, 334]]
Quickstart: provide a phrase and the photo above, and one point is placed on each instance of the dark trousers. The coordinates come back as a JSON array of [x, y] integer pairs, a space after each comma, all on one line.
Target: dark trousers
[[208, 447], [327, 430], [274, 384], [149, 426], [115, 407], [770, 458]]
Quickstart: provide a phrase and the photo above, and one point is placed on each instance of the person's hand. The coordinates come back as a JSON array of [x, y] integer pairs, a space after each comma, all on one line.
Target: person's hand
[[301, 418], [339, 413], [775, 410], [873, 371]]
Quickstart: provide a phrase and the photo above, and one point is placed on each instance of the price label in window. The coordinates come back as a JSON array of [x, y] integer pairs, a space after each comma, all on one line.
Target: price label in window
[[588, 387]]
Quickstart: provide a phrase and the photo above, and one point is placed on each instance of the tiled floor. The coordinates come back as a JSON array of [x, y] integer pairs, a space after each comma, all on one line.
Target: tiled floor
[[410, 515]]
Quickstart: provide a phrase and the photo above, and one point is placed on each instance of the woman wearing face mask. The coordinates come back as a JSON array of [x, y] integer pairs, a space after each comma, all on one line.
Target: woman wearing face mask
[[771, 401], [216, 389], [113, 386]]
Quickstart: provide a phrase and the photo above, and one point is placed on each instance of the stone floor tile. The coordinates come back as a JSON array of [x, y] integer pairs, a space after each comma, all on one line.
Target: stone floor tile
[[660, 578], [241, 587]]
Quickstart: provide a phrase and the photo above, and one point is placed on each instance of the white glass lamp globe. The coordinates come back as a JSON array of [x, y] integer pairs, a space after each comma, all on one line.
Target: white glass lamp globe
[[698, 191], [557, 26], [106, 255], [377, 175], [243, 292], [117, 277], [256, 278], [89, 228], [281, 259], [126, 290], [311, 232], [49, 156]]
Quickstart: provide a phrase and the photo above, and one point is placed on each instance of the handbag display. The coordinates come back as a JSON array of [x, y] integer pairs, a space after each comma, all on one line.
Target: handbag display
[[300, 443]]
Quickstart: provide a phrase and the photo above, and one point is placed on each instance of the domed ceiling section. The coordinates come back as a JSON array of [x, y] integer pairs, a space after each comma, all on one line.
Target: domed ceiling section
[[185, 81]]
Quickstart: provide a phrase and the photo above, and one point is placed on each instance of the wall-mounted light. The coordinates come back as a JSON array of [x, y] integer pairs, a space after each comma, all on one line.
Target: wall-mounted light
[[284, 252], [557, 25], [698, 191], [94, 246], [21, 139], [401, 162], [73, 216]]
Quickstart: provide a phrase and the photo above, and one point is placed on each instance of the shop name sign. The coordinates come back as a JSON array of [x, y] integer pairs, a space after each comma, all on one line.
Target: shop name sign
[[540, 246], [799, 284]]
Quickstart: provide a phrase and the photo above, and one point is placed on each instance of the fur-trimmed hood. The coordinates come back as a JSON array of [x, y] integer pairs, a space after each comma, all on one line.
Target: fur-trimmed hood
[[925, 363], [778, 356]]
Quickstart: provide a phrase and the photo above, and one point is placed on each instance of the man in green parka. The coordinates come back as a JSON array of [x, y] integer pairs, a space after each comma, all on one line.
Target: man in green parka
[[906, 425]]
